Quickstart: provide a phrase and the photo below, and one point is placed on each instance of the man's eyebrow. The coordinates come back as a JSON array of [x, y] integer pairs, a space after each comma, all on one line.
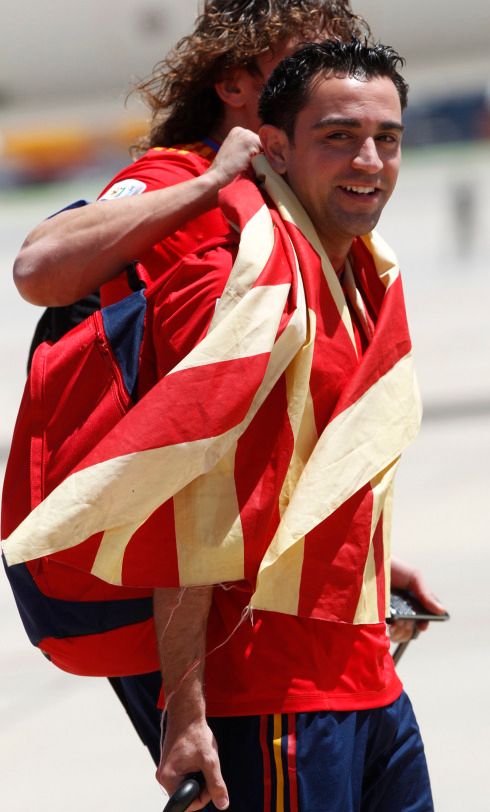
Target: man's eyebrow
[[391, 125], [338, 121]]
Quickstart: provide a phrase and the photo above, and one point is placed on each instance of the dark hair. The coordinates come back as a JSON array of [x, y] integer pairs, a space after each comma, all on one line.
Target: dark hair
[[287, 90], [230, 33]]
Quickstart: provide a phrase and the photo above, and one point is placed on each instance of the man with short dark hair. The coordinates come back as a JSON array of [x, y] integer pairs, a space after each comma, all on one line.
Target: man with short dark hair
[[304, 709]]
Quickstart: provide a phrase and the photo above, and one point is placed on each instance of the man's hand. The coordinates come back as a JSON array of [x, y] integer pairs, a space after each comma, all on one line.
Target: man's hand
[[235, 155], [403, 576], [189, 747]]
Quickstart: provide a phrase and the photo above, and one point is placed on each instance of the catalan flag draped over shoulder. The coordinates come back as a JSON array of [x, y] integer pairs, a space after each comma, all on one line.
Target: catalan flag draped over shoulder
[[268, 453]]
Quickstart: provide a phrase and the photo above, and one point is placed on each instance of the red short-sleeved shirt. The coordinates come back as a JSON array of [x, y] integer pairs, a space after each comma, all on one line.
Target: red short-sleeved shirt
[[279, 663]]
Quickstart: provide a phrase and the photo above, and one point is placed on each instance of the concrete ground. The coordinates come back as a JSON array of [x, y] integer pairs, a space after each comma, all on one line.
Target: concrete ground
[[64, 742]]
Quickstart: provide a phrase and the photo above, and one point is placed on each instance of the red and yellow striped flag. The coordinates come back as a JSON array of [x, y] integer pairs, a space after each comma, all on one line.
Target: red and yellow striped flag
[[268, 452]]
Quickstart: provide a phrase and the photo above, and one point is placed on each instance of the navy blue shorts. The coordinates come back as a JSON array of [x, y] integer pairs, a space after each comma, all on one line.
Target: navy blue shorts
[[139, 696], [328, 761]]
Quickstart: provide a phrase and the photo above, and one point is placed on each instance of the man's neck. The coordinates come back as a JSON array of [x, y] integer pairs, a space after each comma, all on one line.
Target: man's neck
[[336, 252], [231, 118]]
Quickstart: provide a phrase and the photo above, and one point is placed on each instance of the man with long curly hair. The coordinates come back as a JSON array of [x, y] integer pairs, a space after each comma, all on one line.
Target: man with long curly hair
[[208, 85], [299, 708]]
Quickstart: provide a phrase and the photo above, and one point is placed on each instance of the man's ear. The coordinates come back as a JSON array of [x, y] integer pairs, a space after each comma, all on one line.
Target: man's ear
[[232, 90], [276, 147]]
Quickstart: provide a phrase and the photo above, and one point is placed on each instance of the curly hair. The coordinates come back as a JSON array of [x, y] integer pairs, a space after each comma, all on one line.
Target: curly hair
[[230, 33]]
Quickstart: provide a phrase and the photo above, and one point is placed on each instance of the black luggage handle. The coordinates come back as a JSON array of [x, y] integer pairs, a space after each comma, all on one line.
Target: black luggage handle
[[184, 795]]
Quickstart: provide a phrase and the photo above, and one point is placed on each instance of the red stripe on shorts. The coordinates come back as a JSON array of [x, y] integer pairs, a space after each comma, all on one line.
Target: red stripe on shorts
[[293, 783], [266, 759]]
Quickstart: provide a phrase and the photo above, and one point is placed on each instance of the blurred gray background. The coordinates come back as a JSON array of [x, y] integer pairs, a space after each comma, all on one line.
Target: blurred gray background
[[64, 130]]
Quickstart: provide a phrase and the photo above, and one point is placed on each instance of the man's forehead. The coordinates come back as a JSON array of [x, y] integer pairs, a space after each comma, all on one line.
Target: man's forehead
[[332, 96]]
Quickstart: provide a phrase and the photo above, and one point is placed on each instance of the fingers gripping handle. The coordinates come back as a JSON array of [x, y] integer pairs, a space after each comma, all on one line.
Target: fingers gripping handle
[[188, 791]]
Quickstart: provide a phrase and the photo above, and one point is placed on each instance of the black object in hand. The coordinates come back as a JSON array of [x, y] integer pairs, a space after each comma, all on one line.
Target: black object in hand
[[188, 791], [405, 606]]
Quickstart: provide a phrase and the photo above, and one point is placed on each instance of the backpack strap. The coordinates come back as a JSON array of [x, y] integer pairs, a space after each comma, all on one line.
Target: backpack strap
[[55, 322]]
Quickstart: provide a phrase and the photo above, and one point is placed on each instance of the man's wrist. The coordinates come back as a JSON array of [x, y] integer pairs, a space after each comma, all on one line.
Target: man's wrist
[[183, 721], [186, 700], [217, 178]]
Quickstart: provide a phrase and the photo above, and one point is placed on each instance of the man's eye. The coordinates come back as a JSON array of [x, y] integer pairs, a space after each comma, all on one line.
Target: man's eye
[[389, 138], [337, 136]]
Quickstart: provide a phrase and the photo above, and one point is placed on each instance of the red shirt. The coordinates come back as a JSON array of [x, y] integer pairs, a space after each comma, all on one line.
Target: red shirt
[[279, 663], [286, 664], [160, 168]]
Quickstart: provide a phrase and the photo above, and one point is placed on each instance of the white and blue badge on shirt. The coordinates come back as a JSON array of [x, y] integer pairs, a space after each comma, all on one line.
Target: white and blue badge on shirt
[[124, 188]]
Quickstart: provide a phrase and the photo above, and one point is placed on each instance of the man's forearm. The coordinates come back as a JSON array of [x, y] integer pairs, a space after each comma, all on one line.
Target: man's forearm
[[180, 623], [189, 746], [74, 253]]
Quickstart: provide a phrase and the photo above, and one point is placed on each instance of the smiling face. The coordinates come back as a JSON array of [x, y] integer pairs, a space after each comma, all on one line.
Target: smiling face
[[344, 160]]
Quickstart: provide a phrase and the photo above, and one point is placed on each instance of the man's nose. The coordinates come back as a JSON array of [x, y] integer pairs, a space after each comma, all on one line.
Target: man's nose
[[367, 157]]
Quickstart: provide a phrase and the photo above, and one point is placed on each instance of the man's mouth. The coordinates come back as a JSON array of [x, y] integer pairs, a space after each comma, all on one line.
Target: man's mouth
[[360, 190]]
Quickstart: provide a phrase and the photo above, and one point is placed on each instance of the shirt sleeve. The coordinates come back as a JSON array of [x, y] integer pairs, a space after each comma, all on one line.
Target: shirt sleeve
[[157, 169], [160, 168]]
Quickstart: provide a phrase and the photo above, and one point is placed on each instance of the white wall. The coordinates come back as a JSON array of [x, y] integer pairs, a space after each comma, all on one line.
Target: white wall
[[52, 47], [96, 47]]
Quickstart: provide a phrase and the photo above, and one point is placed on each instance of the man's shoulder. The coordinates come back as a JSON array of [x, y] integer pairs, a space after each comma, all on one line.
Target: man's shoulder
[[159, 167], [197, 151], [194, 158]]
